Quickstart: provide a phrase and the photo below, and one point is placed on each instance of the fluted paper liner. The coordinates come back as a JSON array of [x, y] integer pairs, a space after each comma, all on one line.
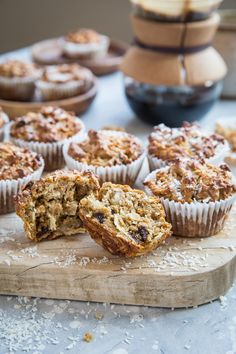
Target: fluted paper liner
[[17, 88], [122, 174], [87, 50], [10, 188], [197, 219], [3, 130], [51, 152]]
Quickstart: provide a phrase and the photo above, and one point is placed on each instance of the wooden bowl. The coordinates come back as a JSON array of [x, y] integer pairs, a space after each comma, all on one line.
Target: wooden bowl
[[49, 52], [78, 104]]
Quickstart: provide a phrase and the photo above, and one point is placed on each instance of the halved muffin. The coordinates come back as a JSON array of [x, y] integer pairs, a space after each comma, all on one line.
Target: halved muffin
[[123, 220], [49, 207]]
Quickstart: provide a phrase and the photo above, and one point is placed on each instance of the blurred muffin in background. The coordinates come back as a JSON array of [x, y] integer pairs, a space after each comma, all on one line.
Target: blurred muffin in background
[[227, 128], [85, 44], [17, 80], [63, 81]]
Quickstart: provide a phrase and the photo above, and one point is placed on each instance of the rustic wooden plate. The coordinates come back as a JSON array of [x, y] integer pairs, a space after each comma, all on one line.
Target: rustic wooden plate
[[78, 104], [49, 52]]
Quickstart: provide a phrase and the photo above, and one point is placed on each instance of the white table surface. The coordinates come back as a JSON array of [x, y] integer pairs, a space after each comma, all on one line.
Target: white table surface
[[50, 326]]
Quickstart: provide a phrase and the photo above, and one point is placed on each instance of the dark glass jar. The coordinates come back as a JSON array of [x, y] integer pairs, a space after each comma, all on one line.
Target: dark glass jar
[[171, 105]]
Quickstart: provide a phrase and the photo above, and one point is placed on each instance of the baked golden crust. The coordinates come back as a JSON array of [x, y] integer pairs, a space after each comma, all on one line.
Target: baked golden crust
[[17, 68], [16, 162], [188, 141], [227, 128], [50, 124], [187, 181], [106, 148], [123, 220], [49, 207], [65, 73], [83, 36]]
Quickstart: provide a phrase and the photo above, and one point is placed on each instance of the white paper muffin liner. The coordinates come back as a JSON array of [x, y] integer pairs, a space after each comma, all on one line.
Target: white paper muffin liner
[[10, 188], [17, 88], [197, 219], [218, 159], [122, 174], [53, 91], [86, 51], [51, 152], [3, 130]]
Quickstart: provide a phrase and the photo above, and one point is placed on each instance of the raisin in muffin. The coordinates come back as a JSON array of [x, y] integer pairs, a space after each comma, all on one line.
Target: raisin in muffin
[[63, 81], [114, 156], [17, 80], [123, 220], [3, 122], [18, 166], [46, 131], [49, 207], [197, 196], [227, 128], [167, 144], [85, 44]]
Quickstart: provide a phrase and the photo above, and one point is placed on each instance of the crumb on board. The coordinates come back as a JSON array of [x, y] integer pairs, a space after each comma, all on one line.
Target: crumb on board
[[88, 337]]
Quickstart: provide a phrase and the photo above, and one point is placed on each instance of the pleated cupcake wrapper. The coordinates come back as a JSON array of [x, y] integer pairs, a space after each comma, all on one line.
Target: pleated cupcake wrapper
[[88, 51], [10, 188], [17, 88], [156, 163], [122, 174], [197, 219], [51, 152], [3, 130], [51, 91]]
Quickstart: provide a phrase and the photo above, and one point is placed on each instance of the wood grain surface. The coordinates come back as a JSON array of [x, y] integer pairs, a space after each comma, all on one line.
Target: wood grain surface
[[78, 104], [181, 273]]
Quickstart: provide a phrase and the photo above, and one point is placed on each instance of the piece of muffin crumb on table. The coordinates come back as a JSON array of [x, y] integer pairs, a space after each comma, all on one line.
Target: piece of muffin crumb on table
[[123, 220], [49, 207]]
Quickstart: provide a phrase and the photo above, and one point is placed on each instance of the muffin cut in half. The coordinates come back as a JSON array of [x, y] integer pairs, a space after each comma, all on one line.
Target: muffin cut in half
[[123, 220], [49, 207]]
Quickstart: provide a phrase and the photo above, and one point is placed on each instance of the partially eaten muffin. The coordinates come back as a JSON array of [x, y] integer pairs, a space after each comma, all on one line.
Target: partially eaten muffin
[[123, 220], [49, 207]]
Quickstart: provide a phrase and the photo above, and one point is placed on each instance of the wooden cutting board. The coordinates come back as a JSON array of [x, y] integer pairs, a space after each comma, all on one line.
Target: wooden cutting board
[[183, 272]]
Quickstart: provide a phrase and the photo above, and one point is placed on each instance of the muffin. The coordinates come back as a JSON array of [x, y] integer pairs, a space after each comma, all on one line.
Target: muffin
[[17, 167], [3, 121], [63, 81], [123, 220], [85, 44], [112, 155], [197, 196], [227, 128], [49, 207], [167, 144], [17, 80], [45, 132]]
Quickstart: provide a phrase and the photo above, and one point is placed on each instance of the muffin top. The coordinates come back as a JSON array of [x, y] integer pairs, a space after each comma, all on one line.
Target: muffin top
[[50, 124], [106, 148], [60, 74], [188, 141], [188, 180], [227, 128], [3, 118], [83, 36], [16, 162], [17, 68]]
